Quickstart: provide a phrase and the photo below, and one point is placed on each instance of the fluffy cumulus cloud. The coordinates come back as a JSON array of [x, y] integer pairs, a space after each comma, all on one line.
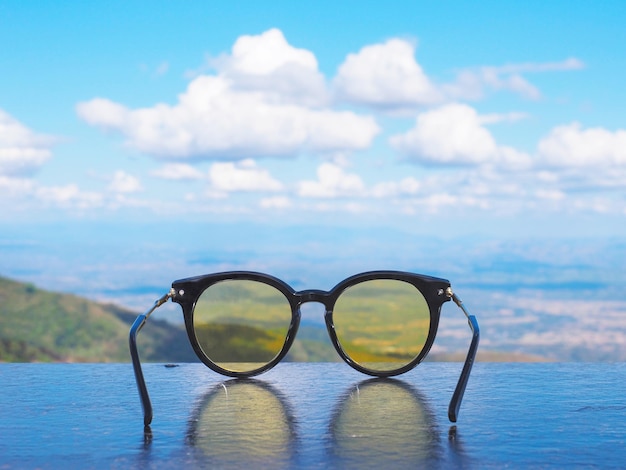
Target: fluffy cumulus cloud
[[241, 176], [454, 134], [252, 107], [385, 75], [124, 183], [267, 63], [212, 120], [22, 151], [572, 146], [333, 181]]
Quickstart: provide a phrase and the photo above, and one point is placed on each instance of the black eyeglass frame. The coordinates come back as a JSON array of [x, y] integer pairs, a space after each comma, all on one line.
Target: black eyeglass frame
[[186, 292]]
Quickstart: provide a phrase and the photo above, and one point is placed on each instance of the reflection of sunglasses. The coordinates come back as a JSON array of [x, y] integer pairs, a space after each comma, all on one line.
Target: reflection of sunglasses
[[253, 423], [240, 324], [244, 421]]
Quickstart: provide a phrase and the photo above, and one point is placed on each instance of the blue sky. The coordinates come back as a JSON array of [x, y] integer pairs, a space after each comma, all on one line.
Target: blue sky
[[498, 118], [485, 142]]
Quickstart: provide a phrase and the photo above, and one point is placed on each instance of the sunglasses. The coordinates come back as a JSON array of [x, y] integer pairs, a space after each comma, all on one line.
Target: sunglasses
[[241, 324]]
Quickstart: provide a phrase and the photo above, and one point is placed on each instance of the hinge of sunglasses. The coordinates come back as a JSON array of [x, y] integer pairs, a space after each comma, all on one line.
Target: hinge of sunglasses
[[160, 302], [457, 301]]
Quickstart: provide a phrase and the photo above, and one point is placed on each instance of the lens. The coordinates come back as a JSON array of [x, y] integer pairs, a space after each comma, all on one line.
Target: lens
[[382, 324], [241, 325]]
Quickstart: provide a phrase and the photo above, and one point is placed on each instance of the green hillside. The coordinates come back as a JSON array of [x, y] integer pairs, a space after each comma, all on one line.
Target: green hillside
[[43, 326]]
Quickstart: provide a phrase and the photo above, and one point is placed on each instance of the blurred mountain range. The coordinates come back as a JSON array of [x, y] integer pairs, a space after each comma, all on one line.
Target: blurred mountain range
[[558, 299]]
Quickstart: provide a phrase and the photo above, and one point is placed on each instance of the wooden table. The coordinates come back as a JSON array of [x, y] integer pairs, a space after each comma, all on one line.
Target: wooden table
[[303, 415]]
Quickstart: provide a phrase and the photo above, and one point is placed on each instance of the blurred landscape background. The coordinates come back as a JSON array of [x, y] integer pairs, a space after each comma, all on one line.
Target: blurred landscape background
[[536, 300], [143, 142]]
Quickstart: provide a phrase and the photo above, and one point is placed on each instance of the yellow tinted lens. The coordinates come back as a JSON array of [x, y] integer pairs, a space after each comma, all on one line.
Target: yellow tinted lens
[[241, 325], [383, 324]]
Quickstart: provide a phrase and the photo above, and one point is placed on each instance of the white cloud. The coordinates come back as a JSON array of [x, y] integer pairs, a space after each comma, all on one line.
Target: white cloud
[[454, 134], [342, 207], [450, 134], [178, 171], [471, 83], [22, 151], [212, 120], [572, 146], [406, 186], [441, 201], [268, 63], [511, 82], [58, 193], [69, 196], [266, 53], [568, 64], [22, 161], [385, 75], [25, 194], [242, 176], [264, 101], [550, 194], [502, 117], [332, 182], [278, 202], [103, 113], [122, 182], [13, 187]]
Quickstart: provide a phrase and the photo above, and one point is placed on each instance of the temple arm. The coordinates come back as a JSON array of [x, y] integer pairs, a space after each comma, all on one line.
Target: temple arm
[[457, 396], [134, 354]]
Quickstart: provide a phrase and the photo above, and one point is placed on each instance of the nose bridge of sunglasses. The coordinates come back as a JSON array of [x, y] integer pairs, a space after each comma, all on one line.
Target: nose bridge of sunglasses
[[312, 295], [313, 305], [313, 333]]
